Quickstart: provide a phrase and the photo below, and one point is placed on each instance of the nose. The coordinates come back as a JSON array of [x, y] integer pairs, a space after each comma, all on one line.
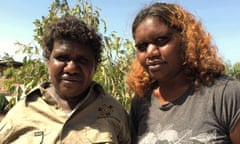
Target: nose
[[71, 67], [152, 50]]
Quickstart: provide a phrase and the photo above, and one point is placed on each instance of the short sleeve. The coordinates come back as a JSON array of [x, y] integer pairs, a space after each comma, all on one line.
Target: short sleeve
[[8, 125], [228, 103]]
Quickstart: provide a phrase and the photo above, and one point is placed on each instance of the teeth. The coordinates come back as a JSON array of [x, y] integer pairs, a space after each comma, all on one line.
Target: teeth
[[154, 67], [155, 62]]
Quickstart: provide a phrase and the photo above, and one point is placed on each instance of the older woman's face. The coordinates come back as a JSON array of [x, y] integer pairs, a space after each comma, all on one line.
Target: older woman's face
[[159, 49], [71, 67]]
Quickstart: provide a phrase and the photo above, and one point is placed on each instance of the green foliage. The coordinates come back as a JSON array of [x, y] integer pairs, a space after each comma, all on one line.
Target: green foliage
[[23, 79], [3, 103], [6, 57], [233, 70], [110, 73], [112, 70], [82, 9]]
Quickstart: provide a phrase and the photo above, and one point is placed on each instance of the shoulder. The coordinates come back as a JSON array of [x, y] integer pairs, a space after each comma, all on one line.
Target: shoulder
[[141, 101], [140, 106], [23, 102], [226, 89], [110, 108], [111, 102], [105, 97], [226, 96], [224, 79], [227, 101], [36, 92], [107, 101], [227, 85]]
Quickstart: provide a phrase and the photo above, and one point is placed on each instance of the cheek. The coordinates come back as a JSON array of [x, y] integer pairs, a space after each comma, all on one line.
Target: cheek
[[54, 67], [172, 51], [176, 58], [91, 72], [178, 53], [141, 57], [142, 60], [88, 70]]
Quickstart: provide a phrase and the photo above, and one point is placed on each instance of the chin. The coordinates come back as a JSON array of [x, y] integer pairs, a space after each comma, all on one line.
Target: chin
[[68, 93]]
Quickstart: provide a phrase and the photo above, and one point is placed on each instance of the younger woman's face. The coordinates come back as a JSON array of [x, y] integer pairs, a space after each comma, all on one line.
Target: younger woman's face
[[159, 49]]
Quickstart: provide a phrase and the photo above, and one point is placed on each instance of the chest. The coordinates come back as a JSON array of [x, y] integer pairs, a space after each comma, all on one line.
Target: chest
[[191, 119]]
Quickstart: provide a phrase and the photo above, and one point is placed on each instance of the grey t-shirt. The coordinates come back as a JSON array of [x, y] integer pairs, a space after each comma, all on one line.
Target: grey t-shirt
[[205, 116]]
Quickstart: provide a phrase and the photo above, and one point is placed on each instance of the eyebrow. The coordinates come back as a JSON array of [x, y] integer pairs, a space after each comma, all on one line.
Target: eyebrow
[[168, 33]]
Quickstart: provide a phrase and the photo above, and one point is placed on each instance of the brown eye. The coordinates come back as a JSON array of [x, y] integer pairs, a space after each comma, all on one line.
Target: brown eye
[[62, 58], [82, 60], [161, 41], [141, 47]]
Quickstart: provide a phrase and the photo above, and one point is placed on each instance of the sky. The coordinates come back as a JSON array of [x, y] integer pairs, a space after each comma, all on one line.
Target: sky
[[220, 17]]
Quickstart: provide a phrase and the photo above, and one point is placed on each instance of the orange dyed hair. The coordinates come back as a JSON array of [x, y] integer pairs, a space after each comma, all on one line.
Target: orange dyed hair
[[201, 61]]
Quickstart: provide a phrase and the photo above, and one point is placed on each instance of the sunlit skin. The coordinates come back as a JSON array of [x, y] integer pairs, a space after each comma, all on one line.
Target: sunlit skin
[[159, 51], [71, 67], [235, 133]]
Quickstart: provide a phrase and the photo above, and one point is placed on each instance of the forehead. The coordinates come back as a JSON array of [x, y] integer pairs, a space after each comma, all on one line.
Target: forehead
[[150, 27], [71, 47]]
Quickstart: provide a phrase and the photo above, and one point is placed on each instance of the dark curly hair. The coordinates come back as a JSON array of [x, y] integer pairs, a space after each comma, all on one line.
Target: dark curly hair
[[201, 61], [71, 28]]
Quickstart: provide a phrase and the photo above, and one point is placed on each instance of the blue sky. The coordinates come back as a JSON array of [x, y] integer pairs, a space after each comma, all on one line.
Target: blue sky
[[220, 18]]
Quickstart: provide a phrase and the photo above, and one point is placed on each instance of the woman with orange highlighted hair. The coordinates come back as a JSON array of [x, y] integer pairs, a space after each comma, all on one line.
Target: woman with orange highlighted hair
[[181, 93]]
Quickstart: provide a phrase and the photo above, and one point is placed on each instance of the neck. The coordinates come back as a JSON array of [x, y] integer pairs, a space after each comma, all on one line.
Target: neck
[[67, 103], [167, 92]]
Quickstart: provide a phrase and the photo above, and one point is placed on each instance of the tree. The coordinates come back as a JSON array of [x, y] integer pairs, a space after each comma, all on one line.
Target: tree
[[3, 103], [6, 57], [110, 73], [233, 70]]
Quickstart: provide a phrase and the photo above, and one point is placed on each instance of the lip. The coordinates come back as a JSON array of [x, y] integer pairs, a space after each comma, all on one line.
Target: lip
[[155, 61], [71, 80], [155, 65], [70, 83]]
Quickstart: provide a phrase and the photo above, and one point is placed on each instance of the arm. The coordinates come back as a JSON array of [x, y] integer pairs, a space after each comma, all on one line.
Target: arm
[[133, 122], [235, 133], [233, 94], [7, 129], [228, 109]]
